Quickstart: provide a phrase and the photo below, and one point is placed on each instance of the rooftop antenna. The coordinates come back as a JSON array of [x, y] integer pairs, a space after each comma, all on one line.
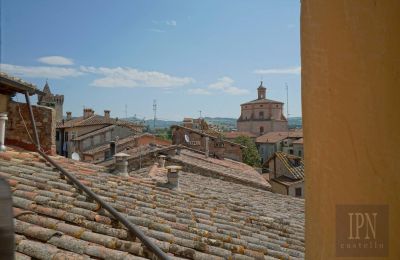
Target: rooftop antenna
[[287, 100], [155, 113], [287, 105], [200, 113]]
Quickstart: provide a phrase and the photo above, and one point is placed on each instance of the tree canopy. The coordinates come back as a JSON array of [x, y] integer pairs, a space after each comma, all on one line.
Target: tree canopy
[[250, 153]]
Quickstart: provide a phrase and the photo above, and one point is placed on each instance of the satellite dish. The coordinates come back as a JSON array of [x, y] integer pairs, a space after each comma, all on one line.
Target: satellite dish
[[187, 138], [75, 156]]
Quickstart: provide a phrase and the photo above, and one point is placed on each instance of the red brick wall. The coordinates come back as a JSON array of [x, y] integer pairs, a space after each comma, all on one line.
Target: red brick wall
[[145, 139], [17, 135]]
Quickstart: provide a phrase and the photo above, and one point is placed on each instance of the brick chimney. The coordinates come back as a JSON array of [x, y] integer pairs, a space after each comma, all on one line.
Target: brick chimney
[[173, 177], [88, 112], [107, 114], [69, 116]]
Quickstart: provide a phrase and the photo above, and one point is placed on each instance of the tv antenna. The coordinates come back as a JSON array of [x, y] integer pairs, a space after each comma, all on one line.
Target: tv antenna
[[287, 106], [287, 101], [200, 113], [155, 113]]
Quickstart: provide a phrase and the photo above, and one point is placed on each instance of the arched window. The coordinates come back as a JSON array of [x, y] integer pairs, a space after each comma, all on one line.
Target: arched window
[[261, 130]]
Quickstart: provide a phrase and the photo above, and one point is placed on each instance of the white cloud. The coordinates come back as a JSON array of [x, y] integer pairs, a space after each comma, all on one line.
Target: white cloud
[[225, 84], [292, 70], [171, 23], [56, 60], [199, 91], [130, 77], [40, 71]]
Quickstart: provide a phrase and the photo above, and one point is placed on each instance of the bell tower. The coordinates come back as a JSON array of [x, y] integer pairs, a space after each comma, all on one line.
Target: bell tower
[[261, 91], [50, 100]]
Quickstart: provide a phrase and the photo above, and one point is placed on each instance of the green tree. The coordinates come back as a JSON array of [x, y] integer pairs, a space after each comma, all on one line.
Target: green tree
[[250, 153]]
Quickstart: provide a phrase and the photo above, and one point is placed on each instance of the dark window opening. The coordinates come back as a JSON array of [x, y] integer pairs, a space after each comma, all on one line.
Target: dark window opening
[[261, 115], [261, 130], [298, 192], [57, 136]]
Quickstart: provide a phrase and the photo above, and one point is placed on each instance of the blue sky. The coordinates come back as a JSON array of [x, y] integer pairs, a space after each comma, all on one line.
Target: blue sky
[[188, 55]]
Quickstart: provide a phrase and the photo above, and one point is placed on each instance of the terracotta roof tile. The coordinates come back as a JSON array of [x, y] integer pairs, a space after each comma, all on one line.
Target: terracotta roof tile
[[209, 218], [274, 137], [98, 120]]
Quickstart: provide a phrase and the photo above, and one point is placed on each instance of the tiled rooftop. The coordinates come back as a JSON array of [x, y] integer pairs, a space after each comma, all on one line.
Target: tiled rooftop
[[227, 169], [274, 137], [207, 219], [296, 171], [97, 120], [262, 101]]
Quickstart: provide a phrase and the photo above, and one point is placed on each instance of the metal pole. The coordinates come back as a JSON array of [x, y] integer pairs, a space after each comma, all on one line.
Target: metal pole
[[28, 101], [132, 229]]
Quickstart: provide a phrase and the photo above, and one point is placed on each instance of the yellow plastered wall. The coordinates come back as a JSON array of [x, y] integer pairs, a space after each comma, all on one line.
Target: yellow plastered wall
[[350, 55]]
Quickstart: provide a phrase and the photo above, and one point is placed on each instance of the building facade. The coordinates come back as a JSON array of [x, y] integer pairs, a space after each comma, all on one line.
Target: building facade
[[76, 135], [286, 174], [262, 115], [50, 100], [212, 145], [289, 142]]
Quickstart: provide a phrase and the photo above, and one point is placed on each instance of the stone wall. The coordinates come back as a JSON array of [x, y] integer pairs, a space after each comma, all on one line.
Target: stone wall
[[16, 133]]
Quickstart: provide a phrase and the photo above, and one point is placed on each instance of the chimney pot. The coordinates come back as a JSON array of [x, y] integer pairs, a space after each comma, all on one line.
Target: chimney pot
[[121, 164], [161, 160], [107, 114], [88, 112], [173, 176]]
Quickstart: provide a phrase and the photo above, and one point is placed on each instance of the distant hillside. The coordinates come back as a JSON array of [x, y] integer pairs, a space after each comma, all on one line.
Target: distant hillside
[[225, 123], [150, 122], [295, 122]]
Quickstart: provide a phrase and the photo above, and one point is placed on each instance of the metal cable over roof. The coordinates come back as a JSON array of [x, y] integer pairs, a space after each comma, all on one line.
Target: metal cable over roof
[[80, 186]]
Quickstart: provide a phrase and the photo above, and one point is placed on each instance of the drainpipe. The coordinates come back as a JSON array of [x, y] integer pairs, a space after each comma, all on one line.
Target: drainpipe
[[28, 101], [3, 119], [207, 147]]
